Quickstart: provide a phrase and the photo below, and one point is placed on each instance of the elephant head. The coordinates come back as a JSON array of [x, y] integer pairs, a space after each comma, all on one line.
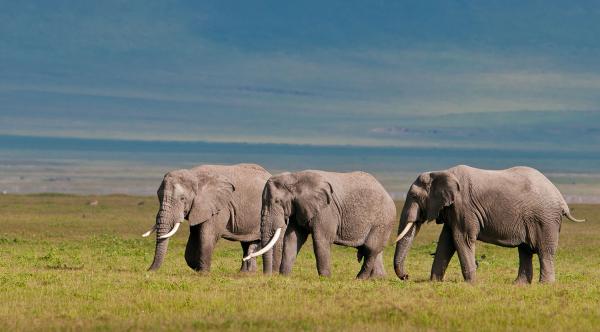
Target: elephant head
[[185, 195], [433, 195], [290, 196]]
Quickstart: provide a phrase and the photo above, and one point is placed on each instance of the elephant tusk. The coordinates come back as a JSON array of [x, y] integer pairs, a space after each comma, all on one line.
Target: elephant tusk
[[404, 231], [267, 247], [149, 232], [173, 231]]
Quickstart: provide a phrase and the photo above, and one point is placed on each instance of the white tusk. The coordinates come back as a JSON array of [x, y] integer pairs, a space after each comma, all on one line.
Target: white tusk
[[173, 231], [404, 231], [149, 232], [267, 247]]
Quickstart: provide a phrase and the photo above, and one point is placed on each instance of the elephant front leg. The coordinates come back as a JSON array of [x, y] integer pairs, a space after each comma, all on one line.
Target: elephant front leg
[[192, 248], [443, 254], [198, 253], [465, 246], [292, 243], [322, 248], [525, 275], [248, 248]]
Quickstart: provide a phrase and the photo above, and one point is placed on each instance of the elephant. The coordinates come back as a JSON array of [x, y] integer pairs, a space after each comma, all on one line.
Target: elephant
[[349, 209], [219, 202], [515, 207]]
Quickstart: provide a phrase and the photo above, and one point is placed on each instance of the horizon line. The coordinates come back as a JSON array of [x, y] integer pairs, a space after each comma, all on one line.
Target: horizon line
[[292, 145]]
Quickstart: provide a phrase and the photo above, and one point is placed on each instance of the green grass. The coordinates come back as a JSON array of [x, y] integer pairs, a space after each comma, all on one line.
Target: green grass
[[66, 265]]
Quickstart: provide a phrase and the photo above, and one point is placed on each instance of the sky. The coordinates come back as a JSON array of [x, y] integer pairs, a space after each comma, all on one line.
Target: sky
[[502, 74]]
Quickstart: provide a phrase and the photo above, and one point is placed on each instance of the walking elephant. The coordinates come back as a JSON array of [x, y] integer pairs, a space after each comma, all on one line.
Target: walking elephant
[[350, 209], [517, 207], [219, 202]]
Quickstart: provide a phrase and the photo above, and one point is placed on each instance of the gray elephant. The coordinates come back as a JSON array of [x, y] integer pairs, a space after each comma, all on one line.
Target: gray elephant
[[350, 209], [517, 207], [219, 202]]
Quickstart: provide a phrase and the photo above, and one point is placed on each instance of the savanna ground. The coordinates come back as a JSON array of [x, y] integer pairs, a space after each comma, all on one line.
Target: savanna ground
[[68, 265]]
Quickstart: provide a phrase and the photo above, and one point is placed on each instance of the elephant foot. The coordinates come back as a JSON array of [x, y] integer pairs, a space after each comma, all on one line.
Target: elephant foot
[[362, 276], [547, 281], [521, 282], [436, 278], [469, 276], [378, 275], [249, 267]]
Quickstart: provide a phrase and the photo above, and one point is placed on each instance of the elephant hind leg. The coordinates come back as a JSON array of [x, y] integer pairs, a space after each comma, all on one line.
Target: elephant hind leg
[[548, 243], [369, 262], [546, 266], [378, 270], [525, 275], [372, 252], [248, 248]]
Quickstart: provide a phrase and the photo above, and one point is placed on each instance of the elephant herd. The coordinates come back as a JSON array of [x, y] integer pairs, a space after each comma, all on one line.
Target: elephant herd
[[273, 216]]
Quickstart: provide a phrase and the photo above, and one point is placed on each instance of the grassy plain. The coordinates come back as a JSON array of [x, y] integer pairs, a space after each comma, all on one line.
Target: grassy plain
[[68, 265]]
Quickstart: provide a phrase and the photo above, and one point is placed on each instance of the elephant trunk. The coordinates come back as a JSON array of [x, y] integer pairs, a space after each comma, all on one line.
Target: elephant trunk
[[408, 228], [402, 248], [267, 256], [277, 254], [164, 223]]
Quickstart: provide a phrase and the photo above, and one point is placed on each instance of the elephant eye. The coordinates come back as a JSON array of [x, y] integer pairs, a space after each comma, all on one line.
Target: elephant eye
[[182, 198]]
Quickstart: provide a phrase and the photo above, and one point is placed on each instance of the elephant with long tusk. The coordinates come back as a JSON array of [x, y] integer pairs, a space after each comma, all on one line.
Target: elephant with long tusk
[[350, 209], [219, 202], [516, 207]]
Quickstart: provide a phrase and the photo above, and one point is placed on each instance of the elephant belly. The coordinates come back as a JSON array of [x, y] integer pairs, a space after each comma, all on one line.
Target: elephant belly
[[504, 239], [353, 235], [349, 243]]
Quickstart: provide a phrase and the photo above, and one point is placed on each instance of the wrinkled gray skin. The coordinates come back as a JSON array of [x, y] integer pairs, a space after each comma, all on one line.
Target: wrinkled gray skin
[[517, 207], [350, 209], [219, 202]]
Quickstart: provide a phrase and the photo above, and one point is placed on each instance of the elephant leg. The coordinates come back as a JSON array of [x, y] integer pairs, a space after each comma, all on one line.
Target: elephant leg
[[373, 253], [525, 274], [192, 248], [378, 269], [369, 262], [465, 246], [548, 243], [278, 252], [546, 266], [201, 260], [293, 241], [248, 248], [443, 254], [322, 248]]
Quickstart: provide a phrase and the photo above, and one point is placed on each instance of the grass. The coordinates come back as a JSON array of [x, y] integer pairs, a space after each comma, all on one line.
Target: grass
[[67, 265]]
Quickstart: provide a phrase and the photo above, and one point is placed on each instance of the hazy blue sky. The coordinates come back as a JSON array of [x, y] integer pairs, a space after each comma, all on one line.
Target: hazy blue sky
[[467, 73]]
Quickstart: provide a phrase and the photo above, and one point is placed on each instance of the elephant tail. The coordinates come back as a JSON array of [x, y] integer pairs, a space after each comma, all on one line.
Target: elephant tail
[[567, 214]]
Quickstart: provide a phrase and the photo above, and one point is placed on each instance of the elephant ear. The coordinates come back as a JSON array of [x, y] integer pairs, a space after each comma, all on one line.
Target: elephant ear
[[214, 194], [443, 192], [312, 196]]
